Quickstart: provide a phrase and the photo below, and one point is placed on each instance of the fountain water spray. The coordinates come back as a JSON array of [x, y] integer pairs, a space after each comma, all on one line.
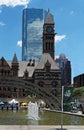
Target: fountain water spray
[[33, 111]]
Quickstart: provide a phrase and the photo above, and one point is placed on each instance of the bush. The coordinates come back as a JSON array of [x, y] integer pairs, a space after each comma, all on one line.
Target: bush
[[78, 92]]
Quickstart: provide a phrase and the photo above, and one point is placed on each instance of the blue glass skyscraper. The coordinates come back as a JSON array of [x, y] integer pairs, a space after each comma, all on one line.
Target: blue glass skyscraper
[[32, 29]]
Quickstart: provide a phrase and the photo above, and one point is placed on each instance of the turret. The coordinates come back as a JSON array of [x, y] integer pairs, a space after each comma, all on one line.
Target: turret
[[15, 66]]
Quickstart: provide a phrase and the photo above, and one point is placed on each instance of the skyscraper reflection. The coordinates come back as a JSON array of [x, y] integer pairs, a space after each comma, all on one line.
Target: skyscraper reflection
[[32, 28]]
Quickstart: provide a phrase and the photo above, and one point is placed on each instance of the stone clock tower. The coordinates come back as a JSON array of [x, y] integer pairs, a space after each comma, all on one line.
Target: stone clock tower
[[48, 35]]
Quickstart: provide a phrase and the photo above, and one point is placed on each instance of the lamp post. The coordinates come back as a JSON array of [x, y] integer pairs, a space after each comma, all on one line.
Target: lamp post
[[62, 108], [62, 111]]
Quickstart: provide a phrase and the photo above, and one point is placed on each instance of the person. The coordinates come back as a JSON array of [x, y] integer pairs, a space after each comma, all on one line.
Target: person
[[7, 107], [81, 108], [2, 108], [17, 107], [12, 107]]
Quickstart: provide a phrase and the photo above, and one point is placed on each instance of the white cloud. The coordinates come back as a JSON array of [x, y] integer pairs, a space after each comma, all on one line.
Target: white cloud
[[72, 12], [35, 30], [19, 43], [59, 38], [14, 3], [2, 24]]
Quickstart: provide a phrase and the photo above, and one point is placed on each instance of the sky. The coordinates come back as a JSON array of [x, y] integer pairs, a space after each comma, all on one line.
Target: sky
[[69, 26]]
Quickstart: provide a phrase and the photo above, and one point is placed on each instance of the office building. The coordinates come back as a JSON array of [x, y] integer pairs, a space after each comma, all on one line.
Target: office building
[[32, 29], [78, 80], [65, 68]]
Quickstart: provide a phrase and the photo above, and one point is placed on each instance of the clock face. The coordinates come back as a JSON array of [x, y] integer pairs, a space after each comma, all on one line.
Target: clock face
[[49, 29]]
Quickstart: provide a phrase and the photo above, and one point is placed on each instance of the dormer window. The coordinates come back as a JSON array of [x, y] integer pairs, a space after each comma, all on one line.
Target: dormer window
[[31, 62], [26, 74]]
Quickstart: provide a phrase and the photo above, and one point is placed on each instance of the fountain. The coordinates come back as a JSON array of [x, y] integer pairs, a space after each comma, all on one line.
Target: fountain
[[45, 118], [33, 111]]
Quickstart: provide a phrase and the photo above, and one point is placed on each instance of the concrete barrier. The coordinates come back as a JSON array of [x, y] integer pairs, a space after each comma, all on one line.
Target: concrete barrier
[[35, 127]]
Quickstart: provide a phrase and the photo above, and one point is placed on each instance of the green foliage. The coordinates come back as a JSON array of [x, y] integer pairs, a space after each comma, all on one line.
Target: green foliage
[[78, 92]]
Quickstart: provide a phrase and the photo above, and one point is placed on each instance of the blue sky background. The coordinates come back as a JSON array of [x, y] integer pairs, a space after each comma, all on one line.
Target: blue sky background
[[69, 24]]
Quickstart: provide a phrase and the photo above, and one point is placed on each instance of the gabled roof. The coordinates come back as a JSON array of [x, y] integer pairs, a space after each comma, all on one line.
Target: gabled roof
[[23, 65], [49, 18], [4, 65], [47, 58], [15, 60]]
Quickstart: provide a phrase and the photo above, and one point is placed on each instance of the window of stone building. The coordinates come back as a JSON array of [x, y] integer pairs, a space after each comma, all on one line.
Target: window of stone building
[[23, 90], [48, 75], [9, 89], [54, 84], [2, 72], [23, 95], [46, 45], [14, 89], [20, 89], [9, 96], [4, 88], [55, 75], [14, 95], [41, 84], [54, 92], [8, 72]]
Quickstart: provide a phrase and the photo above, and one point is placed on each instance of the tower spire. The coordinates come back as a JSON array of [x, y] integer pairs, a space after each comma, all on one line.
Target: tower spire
[[49, 18], [48, 35], [15, 66]]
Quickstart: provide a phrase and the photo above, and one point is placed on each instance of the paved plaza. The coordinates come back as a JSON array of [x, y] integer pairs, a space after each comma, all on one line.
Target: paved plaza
[[34, 127]]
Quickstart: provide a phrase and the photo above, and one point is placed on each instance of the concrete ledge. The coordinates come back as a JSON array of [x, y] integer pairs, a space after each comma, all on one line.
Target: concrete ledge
[[35, 127]]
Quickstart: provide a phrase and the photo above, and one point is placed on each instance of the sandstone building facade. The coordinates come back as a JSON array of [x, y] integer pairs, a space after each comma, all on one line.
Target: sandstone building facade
[[43, 78]]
